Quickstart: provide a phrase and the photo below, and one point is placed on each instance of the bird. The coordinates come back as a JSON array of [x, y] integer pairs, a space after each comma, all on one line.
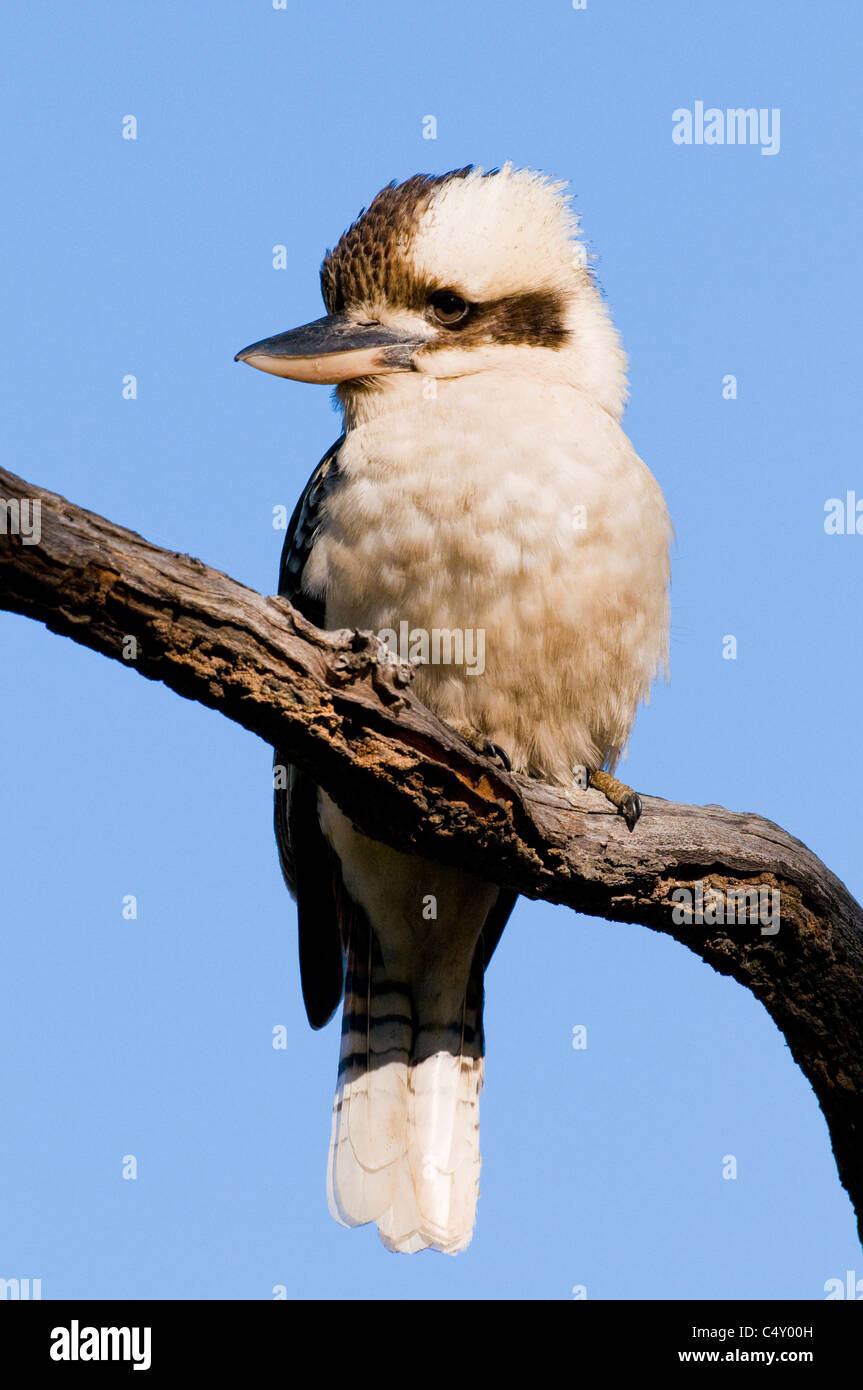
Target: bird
[[483, 484]]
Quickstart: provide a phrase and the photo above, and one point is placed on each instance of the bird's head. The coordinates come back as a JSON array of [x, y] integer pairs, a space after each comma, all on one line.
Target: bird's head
[[452, 275]]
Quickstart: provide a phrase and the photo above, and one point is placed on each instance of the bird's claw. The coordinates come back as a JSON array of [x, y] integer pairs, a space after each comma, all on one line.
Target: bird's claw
[[627, 801], [630, 809], [494, 750]]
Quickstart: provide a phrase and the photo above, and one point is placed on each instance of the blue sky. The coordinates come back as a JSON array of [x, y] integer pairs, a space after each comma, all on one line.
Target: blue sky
[[260, 127]]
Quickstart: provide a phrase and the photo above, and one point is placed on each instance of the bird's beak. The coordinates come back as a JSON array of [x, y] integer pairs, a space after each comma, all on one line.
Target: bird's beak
[[333, 349]]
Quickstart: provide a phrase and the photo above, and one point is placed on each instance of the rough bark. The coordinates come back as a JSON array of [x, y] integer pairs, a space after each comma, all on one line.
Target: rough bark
[[406, 778]]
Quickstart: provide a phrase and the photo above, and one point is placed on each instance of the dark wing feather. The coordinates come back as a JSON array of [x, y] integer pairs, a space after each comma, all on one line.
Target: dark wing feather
[[496, 921], [306, 859], [300, 537]]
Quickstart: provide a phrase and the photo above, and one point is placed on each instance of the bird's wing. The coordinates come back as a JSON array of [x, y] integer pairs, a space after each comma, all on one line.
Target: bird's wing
[[306, 859], [302, 530], [496, 921]]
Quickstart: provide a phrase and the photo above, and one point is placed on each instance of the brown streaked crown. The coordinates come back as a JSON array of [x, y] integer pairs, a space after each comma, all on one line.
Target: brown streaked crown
[[368, 264], [532, 319]]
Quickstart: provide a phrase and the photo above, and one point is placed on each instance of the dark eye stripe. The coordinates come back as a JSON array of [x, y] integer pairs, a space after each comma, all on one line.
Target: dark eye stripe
[[535, 318]]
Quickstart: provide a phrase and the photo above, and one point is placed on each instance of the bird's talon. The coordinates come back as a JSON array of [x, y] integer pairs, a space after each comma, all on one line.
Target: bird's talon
[[494, 750]]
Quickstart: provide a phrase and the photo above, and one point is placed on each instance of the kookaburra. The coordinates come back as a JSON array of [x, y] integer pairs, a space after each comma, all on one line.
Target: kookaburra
[[482, 485]]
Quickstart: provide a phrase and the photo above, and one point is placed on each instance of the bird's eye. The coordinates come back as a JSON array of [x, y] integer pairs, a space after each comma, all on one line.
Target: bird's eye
[[448, 308]]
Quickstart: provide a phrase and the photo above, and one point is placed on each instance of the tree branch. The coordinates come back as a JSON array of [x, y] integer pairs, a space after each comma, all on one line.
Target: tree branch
[[405, 778]]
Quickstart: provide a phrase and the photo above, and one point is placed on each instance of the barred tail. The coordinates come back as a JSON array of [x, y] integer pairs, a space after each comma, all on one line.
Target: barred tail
[[404, 1150]]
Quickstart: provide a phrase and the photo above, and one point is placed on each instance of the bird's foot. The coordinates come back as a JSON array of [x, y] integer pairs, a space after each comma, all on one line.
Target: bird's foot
[[627, 801], [496, 753], [484, 746]]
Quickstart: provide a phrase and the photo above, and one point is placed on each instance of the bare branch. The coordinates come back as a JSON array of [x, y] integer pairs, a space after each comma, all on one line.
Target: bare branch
[[404, 777]]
